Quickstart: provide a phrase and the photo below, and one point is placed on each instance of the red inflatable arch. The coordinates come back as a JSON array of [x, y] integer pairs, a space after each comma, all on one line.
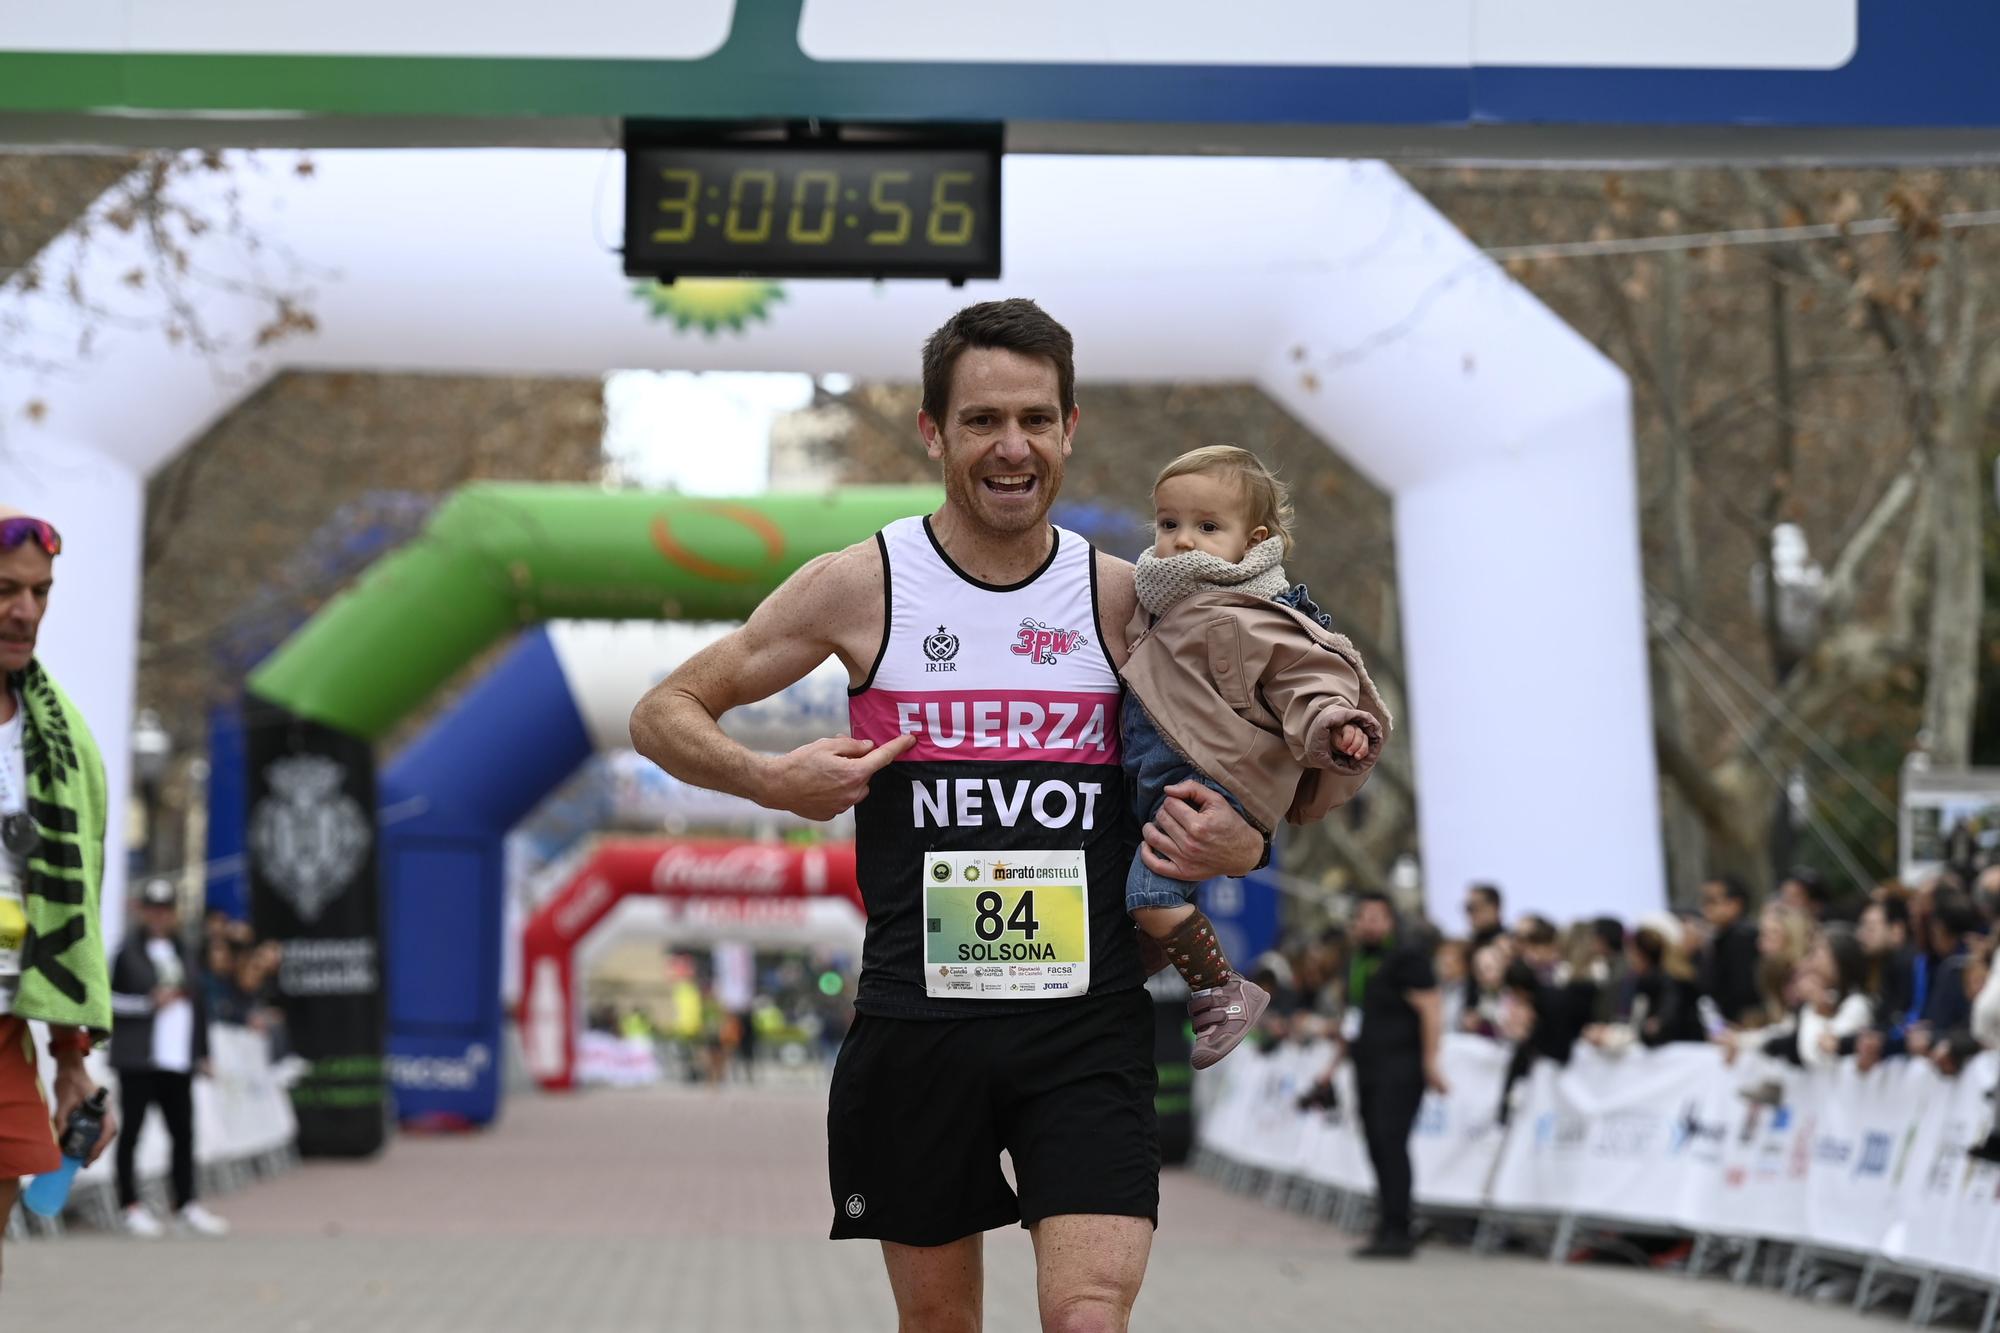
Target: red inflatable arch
[[620, 868]]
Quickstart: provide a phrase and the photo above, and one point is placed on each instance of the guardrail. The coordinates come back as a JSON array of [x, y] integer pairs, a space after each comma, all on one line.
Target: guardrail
[[1829, 1168]]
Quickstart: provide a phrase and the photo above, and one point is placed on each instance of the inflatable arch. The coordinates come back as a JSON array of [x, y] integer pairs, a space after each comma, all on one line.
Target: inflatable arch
[[1332, 284], [493, 559], [618, 870]]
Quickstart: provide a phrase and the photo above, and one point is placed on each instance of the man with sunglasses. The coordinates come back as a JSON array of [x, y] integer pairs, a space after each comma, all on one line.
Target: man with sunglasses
[[52, 819]]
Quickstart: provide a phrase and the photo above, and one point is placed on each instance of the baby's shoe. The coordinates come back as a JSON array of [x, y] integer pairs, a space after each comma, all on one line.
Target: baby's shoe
[[1223, 1015]]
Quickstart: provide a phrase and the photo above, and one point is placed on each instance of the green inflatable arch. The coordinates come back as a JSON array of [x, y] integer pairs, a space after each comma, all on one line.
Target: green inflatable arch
[[499, 556], [392, 923]]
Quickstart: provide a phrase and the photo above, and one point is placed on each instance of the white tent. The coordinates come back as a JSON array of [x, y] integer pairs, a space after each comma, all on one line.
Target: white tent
[[1503, 436]]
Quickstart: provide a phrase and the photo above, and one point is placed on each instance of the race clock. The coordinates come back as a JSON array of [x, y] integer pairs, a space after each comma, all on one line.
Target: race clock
[[857, 203]]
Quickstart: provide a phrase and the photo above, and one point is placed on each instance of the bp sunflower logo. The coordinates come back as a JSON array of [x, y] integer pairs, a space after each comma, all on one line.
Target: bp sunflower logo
[[711, 304]]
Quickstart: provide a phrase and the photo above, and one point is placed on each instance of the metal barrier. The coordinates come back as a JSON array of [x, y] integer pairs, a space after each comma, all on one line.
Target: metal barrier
[[1782, 1177]]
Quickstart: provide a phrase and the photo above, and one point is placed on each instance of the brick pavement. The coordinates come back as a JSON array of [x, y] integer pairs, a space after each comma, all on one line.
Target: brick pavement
[[694, 1210]]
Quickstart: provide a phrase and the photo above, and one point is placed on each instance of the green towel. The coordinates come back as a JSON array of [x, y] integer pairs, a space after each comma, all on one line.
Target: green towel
[[63, 975]]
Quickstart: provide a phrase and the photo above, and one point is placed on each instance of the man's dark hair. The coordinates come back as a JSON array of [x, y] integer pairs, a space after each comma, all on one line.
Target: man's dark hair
[[1732, 889], [1610, 932], [1014, 325], [1953, 910], [1895, 910], [1520, 976], [1366, 896], [1809, 879], [1490, 893]]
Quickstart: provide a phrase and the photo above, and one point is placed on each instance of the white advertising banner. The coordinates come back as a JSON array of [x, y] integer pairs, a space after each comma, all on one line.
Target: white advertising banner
[[1869, 1163], [1458, 1137]]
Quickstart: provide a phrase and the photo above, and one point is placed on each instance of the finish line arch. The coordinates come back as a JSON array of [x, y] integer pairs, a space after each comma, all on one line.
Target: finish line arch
[[1333, 285], [619, 869]]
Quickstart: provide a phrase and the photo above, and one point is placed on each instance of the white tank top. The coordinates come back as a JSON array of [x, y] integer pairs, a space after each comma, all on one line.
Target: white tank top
[[1014, 702]]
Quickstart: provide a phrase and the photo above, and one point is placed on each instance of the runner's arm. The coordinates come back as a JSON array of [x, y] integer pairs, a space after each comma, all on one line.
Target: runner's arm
[[831, 607]]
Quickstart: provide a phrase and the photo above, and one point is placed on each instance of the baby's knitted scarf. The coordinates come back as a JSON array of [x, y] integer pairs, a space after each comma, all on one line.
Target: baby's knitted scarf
[[1161, 583]]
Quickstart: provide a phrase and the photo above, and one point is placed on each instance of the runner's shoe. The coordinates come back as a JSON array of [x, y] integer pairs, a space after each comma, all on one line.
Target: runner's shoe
[[1223, 1015]]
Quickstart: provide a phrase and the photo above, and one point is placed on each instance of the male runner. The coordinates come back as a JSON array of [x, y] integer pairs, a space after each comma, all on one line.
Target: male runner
[[1000, 1004]]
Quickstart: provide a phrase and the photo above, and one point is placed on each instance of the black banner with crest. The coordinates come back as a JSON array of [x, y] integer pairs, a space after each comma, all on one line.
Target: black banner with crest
[[309, 847]]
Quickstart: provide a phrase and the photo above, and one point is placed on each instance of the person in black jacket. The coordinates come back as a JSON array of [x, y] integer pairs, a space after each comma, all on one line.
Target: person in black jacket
[[1728, 968], [1484, 923], [1392, 989], [1666, 1002], [159, 1042]]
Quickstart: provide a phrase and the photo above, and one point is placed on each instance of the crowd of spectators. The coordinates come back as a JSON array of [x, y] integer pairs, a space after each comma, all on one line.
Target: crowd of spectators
[[1898, 973], [239, 977]]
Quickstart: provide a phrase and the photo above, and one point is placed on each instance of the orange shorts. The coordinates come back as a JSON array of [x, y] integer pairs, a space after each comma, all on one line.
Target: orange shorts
[[27, 1138]]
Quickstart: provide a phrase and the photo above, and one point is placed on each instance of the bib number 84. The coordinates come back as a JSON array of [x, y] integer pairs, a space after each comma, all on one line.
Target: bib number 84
[[989, 924]]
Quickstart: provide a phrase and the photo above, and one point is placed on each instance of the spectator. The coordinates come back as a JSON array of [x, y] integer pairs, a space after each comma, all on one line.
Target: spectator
[[1483, 925], [1834, 1001], [1612, 973], [1538, 944], [1953, 1050], [1488, 985], [1665, 998], [1454, 972], [1541, 1018], [225, 998], [1884, 936], [1728, 971], [1939, 997], [1986, 893], [1395, 1055], [159, 1041], [1986, 1032], [257, 978], [1783, 937], [1323, 973], [1482, 915], [1804, 891]]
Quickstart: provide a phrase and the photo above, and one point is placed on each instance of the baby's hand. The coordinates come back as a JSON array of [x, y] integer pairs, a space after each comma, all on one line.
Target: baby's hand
[[1353, 742]]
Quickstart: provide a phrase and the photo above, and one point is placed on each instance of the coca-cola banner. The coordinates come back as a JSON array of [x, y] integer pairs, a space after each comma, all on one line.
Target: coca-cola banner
[[310, 843], [620, 868]]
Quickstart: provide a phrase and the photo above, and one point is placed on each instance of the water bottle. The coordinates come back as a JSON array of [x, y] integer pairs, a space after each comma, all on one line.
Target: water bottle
[[46, 1194]]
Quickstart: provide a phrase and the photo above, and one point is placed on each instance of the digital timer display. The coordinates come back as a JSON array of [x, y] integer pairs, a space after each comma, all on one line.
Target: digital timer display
[[813, 210]]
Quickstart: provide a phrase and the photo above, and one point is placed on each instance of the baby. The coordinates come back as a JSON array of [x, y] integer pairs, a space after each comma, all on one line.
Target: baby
[[1235, 681]]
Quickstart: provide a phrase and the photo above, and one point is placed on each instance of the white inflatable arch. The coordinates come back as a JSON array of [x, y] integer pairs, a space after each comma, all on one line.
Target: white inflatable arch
[[1504, 437]]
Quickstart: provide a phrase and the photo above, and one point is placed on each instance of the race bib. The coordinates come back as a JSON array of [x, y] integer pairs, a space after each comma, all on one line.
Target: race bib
[[1011, 926], [13, 932]]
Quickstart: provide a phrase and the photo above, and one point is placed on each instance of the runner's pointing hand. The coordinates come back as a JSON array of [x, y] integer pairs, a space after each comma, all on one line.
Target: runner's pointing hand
[[820, 780]]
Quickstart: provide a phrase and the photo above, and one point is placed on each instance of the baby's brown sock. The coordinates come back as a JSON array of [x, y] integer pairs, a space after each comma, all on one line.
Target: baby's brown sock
[[1197, 954]]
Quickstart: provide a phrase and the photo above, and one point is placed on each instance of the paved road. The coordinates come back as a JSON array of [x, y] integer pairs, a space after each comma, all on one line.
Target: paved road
[[694, 1210]]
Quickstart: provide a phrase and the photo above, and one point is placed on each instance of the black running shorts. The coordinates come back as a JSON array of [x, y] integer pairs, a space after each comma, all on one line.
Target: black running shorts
[[921, 1109]]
